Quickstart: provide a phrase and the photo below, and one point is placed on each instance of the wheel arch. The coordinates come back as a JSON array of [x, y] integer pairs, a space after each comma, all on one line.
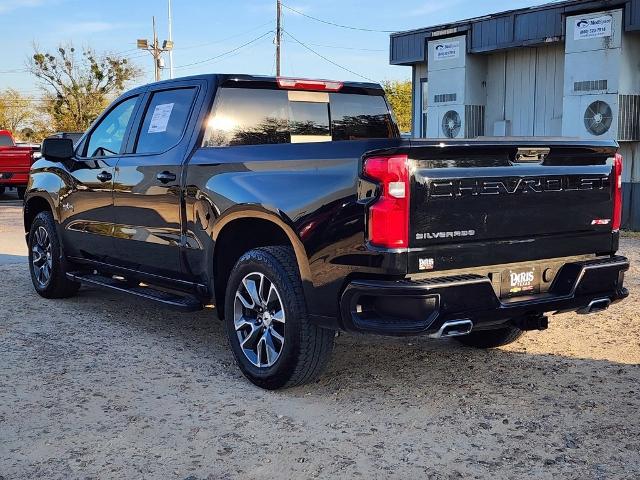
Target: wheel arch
[[242, 230], [33, 205]]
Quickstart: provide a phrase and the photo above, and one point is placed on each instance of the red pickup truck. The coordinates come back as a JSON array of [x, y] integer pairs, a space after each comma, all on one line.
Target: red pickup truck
[[15, 163]]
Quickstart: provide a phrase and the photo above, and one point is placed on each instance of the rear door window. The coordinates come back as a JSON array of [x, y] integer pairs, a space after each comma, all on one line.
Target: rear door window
[[165, 120]]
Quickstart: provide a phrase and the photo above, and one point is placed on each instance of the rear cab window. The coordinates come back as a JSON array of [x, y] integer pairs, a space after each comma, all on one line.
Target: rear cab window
[[260, 116]]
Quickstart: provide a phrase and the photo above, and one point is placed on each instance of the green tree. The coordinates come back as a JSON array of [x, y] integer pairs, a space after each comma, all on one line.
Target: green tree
[[16, 111], [399, 96], [78, 86]]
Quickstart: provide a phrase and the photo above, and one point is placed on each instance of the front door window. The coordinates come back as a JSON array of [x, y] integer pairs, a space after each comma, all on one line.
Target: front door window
[[107, 138]]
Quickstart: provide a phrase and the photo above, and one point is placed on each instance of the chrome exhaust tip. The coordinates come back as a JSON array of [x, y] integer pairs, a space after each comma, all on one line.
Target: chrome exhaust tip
[[595, 306], [454, 328]]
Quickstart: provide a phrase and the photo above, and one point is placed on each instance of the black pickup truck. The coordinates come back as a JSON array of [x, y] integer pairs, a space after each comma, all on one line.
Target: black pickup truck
[[298, 210]]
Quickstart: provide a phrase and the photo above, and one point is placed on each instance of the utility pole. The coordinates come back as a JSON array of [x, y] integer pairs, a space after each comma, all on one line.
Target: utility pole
[[156, 50], [278, 34], [171, 40]]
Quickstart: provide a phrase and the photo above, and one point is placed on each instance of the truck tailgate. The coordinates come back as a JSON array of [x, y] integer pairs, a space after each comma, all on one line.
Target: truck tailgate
[[495, 201], [484, 192]]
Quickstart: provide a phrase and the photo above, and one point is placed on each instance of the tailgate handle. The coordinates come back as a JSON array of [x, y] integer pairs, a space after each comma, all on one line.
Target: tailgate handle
[[532, 155]]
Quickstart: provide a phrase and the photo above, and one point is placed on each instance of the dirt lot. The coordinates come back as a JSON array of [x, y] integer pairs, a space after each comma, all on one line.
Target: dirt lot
[[103, 386]]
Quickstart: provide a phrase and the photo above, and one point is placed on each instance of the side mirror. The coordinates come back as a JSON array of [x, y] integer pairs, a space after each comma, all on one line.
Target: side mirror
[[57, 148]]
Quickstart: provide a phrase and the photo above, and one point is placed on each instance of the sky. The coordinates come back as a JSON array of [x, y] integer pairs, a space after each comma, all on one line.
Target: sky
[[229, 36]]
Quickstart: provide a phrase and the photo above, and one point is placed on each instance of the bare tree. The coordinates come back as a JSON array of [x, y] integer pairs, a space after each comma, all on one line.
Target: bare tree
[[79, 85]]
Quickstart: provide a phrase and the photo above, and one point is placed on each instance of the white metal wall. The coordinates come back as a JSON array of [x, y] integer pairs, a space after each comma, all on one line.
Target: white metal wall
[[524, 87], [419, 73]]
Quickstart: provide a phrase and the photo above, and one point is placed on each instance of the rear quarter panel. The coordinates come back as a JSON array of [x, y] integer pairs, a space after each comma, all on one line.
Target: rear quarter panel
[[309, 189]]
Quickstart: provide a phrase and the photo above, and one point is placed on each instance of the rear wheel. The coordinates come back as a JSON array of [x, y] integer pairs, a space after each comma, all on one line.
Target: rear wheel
[[491, 338], [266, 321], [45, 260], [21, 192], [2, 189]]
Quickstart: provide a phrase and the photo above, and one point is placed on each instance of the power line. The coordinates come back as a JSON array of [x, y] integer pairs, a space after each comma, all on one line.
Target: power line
[[227, 52], [328, 59], [349, 27], [339, 47], [226, 38], [15, 70]]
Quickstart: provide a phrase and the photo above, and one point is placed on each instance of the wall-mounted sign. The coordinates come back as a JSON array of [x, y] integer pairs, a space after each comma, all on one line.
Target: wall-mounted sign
[[594, 27], [447, 51]]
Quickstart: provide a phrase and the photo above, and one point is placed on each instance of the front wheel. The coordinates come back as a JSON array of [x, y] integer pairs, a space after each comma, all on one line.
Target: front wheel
[[266, 320], [45, 260], [491, 338]]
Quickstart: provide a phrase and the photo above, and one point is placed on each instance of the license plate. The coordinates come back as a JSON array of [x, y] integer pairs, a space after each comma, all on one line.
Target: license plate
[[520, 281]]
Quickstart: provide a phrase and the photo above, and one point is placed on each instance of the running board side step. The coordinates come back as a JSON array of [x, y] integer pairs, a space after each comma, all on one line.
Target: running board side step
[[184, 303]]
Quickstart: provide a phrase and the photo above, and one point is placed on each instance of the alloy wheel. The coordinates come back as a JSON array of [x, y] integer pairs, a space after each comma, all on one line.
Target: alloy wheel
[[259, 320], [41, 259]]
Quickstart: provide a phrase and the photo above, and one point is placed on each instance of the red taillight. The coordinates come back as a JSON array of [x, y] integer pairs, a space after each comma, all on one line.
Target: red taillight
[[307, 84], [617, 192], [389, 215]]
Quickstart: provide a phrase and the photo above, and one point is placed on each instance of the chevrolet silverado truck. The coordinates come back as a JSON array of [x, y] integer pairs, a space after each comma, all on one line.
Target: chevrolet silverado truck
[[15, 163], [296, 209]]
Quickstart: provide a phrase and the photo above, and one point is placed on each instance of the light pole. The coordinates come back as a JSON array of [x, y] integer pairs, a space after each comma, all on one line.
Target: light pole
[[278, 34], [171, 40], [156, 50]]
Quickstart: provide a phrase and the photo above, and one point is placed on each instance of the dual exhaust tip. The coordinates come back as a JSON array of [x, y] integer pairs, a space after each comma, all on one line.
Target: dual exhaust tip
[[595, 306], [453, 328], [458, 328]]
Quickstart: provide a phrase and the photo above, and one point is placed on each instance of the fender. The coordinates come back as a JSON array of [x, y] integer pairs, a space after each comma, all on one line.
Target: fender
[[46, 185], [276, 217]]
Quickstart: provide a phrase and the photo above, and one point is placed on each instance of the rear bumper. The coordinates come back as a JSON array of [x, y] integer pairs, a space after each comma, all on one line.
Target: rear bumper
[[421, 307]]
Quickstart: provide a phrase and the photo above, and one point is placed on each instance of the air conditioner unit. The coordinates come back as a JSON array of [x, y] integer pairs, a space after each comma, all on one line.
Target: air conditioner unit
[[607, 116], [601, 90], [455, 121], [455, 106]]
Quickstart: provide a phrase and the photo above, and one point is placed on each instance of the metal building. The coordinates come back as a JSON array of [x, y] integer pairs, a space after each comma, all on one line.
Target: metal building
[[568, 68]]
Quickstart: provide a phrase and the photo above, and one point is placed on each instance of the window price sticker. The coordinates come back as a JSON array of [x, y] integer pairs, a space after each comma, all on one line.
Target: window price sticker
[[160, 118], [595, 27]]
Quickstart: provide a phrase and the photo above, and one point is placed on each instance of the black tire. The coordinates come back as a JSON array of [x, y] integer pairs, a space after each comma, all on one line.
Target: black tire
[[2, 189], [57, 285], [306, 348], [491, 338], [21, 192]]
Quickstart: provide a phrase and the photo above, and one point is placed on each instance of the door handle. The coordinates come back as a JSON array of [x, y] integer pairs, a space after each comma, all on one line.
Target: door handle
[[104, 176], [166, 177]]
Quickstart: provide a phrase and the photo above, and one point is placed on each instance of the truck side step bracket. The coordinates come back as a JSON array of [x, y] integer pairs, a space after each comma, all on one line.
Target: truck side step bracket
[[182, 302]]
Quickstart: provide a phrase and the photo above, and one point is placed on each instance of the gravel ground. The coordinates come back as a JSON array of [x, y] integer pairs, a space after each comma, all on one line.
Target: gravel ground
[[104, 386]]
